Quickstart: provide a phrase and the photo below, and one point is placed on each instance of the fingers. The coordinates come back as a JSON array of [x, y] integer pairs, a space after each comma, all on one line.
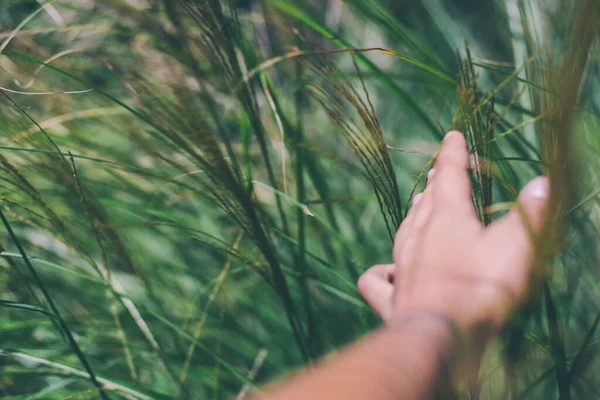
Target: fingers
[[430, 174], [377, 288], [414, 210], [527, 217], [421, 204], [452, 188], [417, 199], [419, 196]]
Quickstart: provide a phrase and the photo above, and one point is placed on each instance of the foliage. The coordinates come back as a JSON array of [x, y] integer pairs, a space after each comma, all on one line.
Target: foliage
[[190, 189]]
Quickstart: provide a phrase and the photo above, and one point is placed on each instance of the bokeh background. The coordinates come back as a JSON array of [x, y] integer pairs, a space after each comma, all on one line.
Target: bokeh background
[[190, 189]]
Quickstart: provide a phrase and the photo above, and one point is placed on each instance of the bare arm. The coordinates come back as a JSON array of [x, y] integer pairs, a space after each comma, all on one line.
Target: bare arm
[[401, 363], [452, 286]]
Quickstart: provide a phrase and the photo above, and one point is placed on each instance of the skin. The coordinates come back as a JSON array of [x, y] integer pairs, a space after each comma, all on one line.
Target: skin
[[451, 288]]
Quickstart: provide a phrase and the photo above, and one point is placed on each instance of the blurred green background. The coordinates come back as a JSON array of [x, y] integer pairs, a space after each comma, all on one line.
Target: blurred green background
[[190, 189]]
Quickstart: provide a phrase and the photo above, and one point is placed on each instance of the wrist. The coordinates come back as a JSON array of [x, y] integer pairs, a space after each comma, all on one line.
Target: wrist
[[473, 312], [439, 331], [457, 350]]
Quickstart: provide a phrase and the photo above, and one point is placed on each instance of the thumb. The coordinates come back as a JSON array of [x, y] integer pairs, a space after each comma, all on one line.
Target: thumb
[[377, 288], [527, 217]]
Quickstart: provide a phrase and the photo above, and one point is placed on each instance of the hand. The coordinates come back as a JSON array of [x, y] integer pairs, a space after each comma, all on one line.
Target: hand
[[447, 262]]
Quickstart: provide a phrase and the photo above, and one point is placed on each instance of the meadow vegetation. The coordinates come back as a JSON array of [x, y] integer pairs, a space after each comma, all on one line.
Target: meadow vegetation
[[190, 189]]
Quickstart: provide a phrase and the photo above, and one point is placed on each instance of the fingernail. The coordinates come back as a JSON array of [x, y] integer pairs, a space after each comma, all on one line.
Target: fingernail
[[450, 135], [417, 198], [431, 173], [539, 188]]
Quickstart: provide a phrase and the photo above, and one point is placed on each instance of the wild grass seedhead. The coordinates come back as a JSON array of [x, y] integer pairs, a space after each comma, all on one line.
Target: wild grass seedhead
[[564, 75], [475, 118], [340, 100], [215, 186]]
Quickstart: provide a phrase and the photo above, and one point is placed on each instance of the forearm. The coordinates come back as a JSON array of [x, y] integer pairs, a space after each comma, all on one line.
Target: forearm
[[409, 361]]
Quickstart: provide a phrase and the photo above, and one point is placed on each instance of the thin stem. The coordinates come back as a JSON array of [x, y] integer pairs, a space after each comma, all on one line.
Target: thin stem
[[300, 215], [65, 329]]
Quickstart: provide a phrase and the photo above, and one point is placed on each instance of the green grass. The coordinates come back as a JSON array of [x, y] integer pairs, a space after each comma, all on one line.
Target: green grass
[[191, 189]]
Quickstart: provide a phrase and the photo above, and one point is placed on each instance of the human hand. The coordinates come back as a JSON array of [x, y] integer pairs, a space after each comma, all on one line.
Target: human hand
[[447, 262]]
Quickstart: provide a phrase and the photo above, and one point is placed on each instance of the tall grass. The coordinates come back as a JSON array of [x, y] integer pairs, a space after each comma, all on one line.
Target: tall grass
[[190, 189]]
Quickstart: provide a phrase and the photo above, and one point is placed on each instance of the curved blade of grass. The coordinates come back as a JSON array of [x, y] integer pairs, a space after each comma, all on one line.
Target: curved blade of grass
[[382, 16], [23, 23], [329, 268], [65, 329], [57, 267], [27, 307], [51, 388], [299, 14], [65, 154], [109, 384], [292, 201], [200, 324], [240, 376], [272, 62], [585, 345], [539, 380], [105, 94], [579, 205], [313, 168], [557, 346]]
